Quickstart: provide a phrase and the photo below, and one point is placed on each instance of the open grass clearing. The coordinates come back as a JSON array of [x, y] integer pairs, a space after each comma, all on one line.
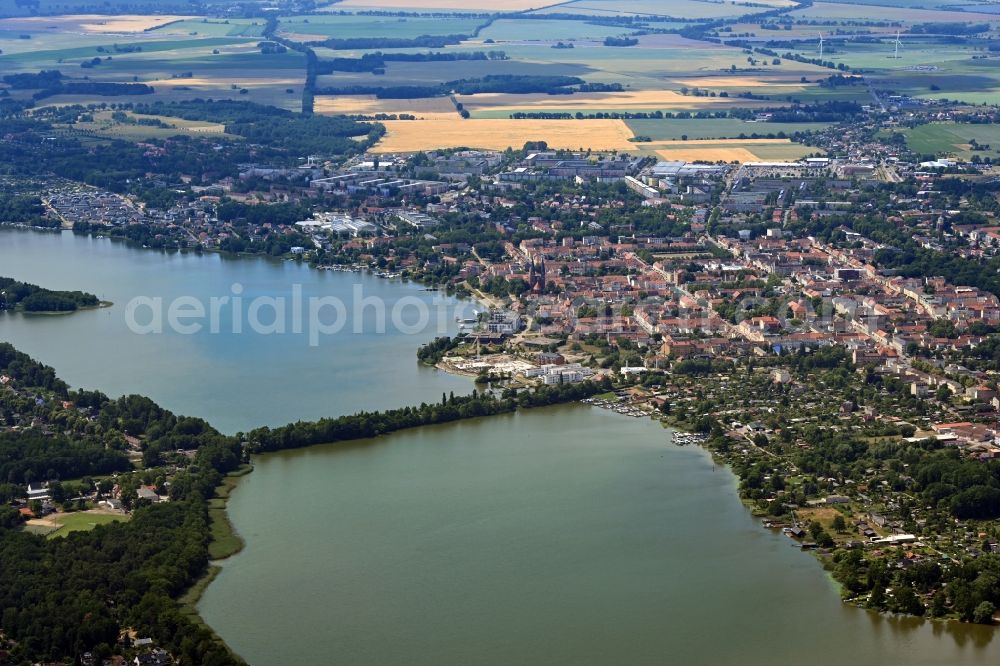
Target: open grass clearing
[[104, 125], [404, 136]]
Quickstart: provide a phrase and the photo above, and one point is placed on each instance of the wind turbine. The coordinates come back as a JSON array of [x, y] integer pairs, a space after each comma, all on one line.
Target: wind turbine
[[821, 46], [897, 44]]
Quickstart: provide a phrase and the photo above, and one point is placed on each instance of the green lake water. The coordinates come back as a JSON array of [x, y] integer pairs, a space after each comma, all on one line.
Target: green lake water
[[565, 535]]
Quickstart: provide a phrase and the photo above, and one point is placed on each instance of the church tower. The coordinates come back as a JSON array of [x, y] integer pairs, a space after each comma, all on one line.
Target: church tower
[[536, 276]]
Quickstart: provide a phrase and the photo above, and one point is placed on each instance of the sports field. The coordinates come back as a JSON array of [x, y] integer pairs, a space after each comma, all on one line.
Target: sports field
[[61, 524]]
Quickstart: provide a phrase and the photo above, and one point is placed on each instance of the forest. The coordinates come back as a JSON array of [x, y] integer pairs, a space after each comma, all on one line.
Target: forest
[[62, 597], [32, 298], [101, 88], [23, 209]]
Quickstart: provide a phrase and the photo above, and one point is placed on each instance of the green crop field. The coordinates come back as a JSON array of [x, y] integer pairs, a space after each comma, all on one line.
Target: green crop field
[[821, 11], [953, 139], [693, 9], [526, 30], [351, 26], [71, 57], [421, 73], [672, 129]]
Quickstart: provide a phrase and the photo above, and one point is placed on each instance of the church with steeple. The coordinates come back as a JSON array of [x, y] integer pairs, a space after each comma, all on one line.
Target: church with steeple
[[536, 276]]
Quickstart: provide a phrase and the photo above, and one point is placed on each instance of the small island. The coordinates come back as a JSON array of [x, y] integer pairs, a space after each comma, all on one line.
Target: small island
[[25, 297]]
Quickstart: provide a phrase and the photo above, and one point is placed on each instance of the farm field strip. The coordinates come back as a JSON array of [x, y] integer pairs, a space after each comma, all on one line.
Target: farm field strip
[[713, 128], [426, 108], [829, 10], [735, 150], [416, 135], [89, 23], [485, 6]]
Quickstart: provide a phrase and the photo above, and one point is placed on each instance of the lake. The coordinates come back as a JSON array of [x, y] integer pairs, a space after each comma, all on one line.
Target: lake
[[565, 535], [235, 380]]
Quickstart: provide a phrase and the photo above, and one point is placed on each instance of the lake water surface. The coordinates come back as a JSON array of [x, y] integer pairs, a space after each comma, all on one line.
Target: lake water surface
[[236, 381], [566, 535]]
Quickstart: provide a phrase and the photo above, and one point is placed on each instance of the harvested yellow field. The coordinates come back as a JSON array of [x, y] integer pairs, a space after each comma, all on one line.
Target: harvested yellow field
[[709, 155], [730, 150], [369, 105], [474, 5], [89, 23], [738, 82], [406, 136], [633, 99]]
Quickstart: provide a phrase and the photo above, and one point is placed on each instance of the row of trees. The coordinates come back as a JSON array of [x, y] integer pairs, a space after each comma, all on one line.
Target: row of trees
[[494, 83], [451, 408]]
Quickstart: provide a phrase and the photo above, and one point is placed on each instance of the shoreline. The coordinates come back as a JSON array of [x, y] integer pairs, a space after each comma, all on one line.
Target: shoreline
[[227, 542], [824, 562], [62, 313]]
